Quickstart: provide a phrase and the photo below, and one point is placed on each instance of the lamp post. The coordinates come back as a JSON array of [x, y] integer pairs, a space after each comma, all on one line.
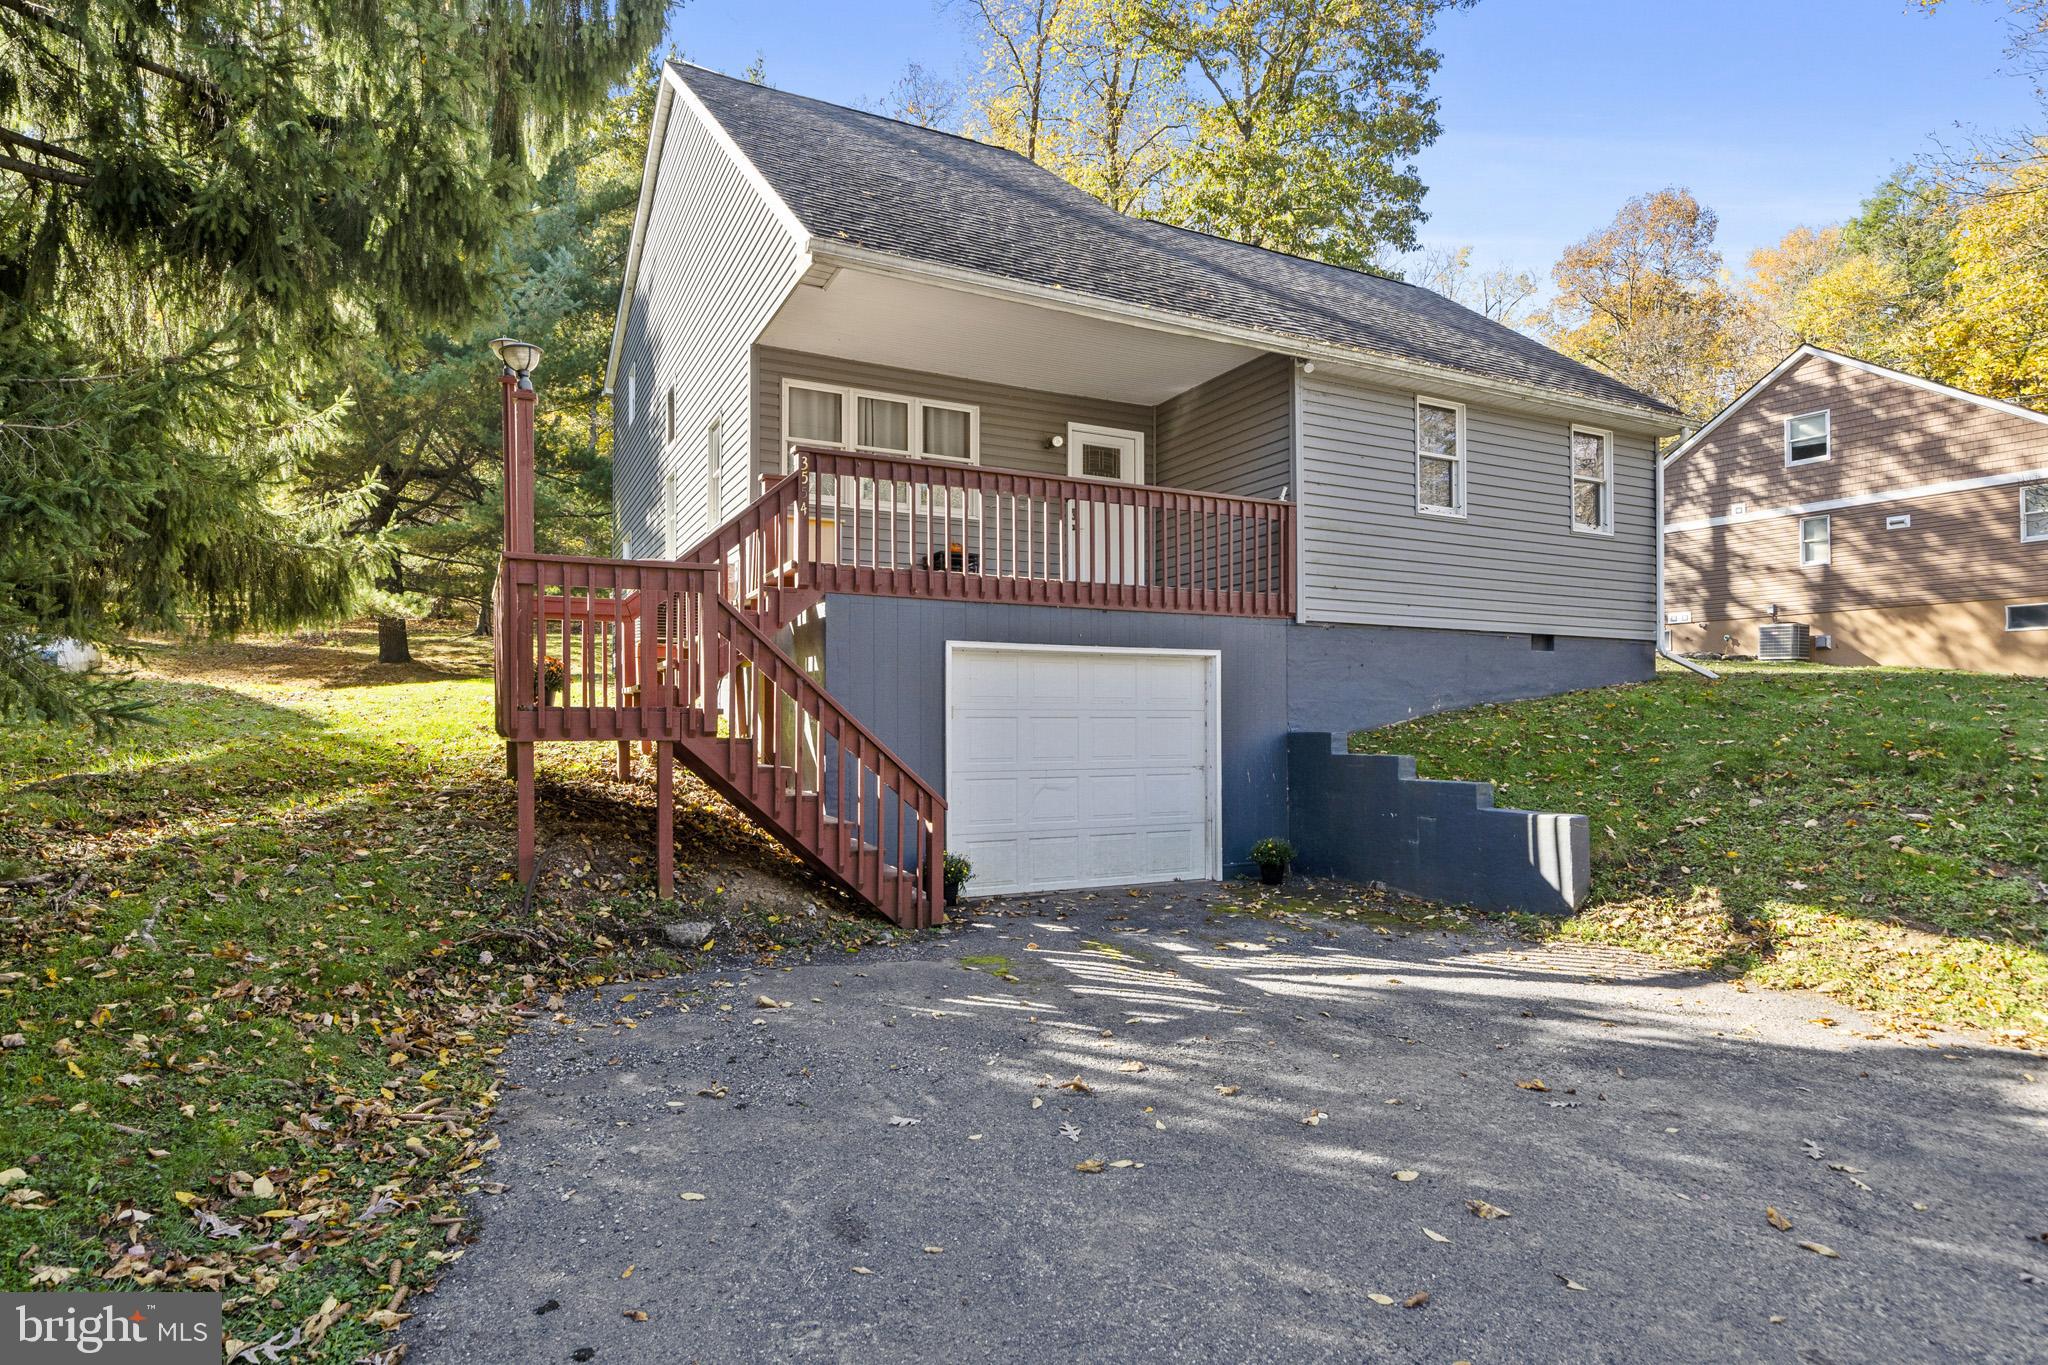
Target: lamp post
[[520, 359]]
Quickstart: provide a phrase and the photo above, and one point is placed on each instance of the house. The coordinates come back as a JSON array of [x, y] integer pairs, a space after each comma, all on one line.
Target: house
[[1900, 520], [964, 499]]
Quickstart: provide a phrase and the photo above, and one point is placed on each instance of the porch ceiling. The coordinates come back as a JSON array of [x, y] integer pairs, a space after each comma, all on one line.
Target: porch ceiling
[[919, 326]]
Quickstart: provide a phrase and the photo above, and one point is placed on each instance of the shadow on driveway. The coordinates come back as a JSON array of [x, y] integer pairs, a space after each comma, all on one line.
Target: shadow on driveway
[[888, 1164]]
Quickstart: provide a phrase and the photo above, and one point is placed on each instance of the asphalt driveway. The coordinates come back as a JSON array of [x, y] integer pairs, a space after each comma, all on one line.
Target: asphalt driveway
[[886, 1167]]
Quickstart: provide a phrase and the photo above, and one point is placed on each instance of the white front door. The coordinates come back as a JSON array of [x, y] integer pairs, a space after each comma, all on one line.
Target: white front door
[[1105, 544], [1082, 767]]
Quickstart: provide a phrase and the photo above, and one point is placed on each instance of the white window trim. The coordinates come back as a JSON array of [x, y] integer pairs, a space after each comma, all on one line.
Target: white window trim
[[849, 422], [2025, 489], [1458, 481], [1078, 432], [1572, 482], [1828, 545], [2013, 629], [1827, 419]]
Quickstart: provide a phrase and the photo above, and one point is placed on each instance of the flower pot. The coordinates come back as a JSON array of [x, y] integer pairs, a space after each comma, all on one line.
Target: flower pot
[[952, 893], [1272, 874]]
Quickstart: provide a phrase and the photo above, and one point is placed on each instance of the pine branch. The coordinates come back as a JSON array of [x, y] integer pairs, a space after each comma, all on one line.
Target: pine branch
[[36, 14], [36, 144], [49, 173]]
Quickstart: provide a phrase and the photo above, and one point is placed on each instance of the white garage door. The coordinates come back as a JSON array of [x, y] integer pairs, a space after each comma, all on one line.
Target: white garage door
[[1068, 768]]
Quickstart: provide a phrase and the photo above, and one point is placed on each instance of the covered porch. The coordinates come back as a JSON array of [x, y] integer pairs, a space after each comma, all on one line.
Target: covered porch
[[945, 441]]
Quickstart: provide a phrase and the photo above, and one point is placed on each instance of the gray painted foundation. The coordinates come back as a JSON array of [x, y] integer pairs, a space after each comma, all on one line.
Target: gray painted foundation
[[1368, 818], [1345, 678], [885, 659]]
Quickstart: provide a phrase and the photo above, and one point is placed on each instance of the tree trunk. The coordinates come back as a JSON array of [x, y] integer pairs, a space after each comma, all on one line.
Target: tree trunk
[[483, 612], [393, 647]]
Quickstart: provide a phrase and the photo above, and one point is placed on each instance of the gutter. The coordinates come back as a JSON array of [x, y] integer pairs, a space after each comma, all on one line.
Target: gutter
[[1709, 674], [1385, 367]]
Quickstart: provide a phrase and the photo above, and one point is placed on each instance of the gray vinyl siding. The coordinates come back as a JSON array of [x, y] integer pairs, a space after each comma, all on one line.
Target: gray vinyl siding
[[716, 262], [1512, 563], [1014, 422], [1234, 434]]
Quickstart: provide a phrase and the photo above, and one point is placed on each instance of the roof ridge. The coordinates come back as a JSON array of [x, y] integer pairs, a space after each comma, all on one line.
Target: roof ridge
[[853, 109]]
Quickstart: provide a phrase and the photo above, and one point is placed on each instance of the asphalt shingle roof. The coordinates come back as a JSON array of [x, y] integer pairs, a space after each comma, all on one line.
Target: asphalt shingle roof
[[913, 192]]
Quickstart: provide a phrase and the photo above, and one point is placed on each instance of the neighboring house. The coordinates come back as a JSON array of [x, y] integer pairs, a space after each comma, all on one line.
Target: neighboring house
[[1902, 521], [1078, 516]]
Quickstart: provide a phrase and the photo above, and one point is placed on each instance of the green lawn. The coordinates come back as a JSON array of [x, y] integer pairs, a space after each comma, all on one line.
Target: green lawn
[[1880, 835], [256, 962]]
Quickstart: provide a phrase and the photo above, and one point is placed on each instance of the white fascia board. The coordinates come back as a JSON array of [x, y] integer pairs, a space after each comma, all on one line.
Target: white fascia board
[[1871, 499], [1376, 367], [673, 89]]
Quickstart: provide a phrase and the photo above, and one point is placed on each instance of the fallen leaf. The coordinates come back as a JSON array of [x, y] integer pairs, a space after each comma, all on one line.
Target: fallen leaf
[[1037, 1101], [1416, 1300], [1481, 1209], [636, 1314], [261, 1188], [44, 1275], [1433, 1235], [1091, 1166], [1572, 1285], [862, 1270], [1078, 1086], [13, 1175], [898, 1121], [933, 1251], [627, 1273], [1406, 1176], [691, 1197], [1532, 1084], [769, 1002], [1131, 1066], [1776, 1219], [1313, 1118], [1070, 1132], [1383, 1300], [1820, 1250], [1226, 1090]]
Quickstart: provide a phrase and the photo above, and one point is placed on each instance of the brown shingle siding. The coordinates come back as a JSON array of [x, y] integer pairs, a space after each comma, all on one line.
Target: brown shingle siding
[[1886, 434]]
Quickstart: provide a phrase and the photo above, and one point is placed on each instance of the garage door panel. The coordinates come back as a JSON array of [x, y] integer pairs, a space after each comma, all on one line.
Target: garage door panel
[[1052, 799], [1107, 797], [993, 798], [1073, 768], [990, 740]]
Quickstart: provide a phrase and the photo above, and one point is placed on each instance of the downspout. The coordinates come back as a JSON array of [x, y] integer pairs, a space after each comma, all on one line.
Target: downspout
[[1657, 462]]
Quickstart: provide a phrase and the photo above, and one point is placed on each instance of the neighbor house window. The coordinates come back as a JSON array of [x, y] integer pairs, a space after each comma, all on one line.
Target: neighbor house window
[[1815, 541], [1439, 458], [671, 412], [1592, 480], [632, 390], [2034, 512], [1807, 438], [2032, 616], [880, 423]]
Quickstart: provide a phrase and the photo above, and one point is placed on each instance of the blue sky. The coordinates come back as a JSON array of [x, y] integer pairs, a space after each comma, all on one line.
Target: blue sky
[[1773, 112]]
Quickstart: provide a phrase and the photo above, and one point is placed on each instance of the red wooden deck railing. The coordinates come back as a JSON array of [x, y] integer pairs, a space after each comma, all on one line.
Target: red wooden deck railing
[[881, 525], [650, 650]]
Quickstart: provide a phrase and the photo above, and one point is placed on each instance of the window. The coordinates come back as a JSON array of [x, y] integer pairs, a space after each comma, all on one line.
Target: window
[[714, 469], [1807, 438], [2034, 512], [1592, 481], [632, 390], [1815, 541], [2032, 616], [813, 416], [1543, 644], [948, 432], [671, 412], [1439, 458], [879, 423]]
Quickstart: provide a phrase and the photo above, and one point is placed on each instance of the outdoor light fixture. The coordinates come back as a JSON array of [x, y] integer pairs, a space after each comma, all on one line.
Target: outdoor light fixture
[[520, 357]]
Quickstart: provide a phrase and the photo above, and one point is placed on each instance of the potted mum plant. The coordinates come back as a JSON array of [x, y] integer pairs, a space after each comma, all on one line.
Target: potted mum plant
[[957, 871], [551, 678], [1273, 857]]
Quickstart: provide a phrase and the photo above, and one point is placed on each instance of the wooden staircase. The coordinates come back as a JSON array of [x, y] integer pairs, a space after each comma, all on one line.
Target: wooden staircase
[[681, 655]]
